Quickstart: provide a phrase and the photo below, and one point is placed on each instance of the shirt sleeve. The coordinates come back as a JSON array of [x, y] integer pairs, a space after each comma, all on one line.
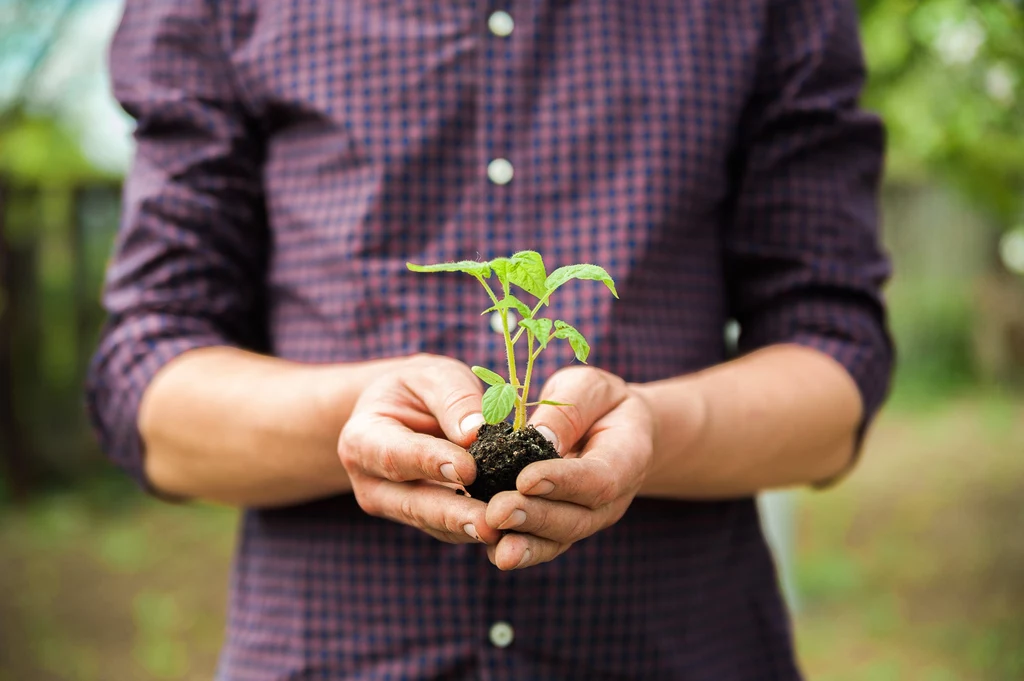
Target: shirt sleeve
[[802, 251], [189, 259]]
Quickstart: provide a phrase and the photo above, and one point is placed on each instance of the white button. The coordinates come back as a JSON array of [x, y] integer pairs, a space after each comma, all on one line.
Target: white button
[[501, 634], [500, 171], [496, 321], [501, 24]]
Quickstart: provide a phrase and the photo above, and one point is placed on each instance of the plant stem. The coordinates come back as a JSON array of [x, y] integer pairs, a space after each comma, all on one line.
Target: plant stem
[[521, 402], [494, 298], [513, 377]]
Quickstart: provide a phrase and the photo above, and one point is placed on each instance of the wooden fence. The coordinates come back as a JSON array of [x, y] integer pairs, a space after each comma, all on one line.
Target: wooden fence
[[54, 243]]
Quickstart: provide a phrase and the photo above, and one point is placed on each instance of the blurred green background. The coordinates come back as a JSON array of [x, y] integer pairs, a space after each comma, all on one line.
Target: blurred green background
[[913, 568]]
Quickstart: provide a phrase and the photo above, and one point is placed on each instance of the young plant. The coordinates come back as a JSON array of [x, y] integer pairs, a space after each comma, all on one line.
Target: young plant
[[526, 271]]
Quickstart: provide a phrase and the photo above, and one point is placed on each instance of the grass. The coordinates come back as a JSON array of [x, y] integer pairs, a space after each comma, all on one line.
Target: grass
[[913, 568], [98, 587]]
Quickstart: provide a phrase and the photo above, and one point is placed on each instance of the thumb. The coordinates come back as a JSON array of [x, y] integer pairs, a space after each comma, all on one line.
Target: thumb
[[452, 393], [587, 393]]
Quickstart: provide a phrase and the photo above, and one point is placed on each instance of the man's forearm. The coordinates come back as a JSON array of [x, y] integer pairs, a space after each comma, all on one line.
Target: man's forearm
[[234, 427], [784, 415]]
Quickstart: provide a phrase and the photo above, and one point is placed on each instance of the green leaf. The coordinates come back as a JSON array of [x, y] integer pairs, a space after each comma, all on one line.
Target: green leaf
[[576, 340], [477, 269], [498, 402], [510, 301], [585, 271], [551, 402], [540, 328], [488, 376], [501, 268], [528, 273]]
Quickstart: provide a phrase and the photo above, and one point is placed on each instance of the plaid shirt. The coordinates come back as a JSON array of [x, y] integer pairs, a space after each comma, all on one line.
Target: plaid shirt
[[293, 155]]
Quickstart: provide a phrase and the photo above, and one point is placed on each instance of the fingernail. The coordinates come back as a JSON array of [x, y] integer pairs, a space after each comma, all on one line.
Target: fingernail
[[517, 518], [471, 423], [549, 435], [470, 529], [524, 560], [542, 487], [448, 471]]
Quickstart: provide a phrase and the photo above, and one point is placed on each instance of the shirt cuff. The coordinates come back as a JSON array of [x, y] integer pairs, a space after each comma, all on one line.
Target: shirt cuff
[[854, 334], [130, 353]]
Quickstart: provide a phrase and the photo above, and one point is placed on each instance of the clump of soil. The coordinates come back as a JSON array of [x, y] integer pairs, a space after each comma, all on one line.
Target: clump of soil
[[501, 453]]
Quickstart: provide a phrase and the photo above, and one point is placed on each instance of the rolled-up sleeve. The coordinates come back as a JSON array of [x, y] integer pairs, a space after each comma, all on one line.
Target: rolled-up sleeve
[[802, 251], [189, 261]]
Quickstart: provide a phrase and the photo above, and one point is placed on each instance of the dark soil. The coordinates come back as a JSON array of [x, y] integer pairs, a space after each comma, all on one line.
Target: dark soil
[[501, 453]]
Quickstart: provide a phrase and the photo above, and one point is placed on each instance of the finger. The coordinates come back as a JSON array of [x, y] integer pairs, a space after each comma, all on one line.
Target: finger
[[589, 393], [431, 508], [452, 393], [591, 482], [612, 465], [517, 551], [383, 447], [559, 521]]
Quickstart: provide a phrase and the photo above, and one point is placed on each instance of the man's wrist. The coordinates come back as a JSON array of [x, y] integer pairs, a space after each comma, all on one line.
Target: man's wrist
[[681, 415]]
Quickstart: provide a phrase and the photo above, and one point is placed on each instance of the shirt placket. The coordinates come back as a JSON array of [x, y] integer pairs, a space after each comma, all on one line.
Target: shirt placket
[[498, 171], [496, 157]]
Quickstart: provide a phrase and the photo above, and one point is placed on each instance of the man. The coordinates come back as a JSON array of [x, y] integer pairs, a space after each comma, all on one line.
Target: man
[[293, 156]]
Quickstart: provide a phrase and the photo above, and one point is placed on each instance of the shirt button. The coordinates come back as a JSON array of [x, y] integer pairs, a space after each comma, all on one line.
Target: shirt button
[[501, 634], [501, 24], [496, 321], [500, 171]]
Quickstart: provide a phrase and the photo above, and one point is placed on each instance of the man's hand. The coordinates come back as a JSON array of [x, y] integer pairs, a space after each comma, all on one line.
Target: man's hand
[[397, 452], [606, 438]]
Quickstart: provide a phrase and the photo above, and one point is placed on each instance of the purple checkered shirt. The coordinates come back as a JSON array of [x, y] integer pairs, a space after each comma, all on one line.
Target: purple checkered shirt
[[294, 154]]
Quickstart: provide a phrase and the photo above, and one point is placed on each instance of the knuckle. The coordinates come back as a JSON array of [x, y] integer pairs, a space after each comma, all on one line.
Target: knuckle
[[538, 519], [387, 457], [439, 368], [422, 361], [432, 373], [348, 444], [451, 524], [346, 455], [407, 511], [572, 372], [606, 490], [367, 502], [574, 418], [456, 396], [615, 516], [617, 387], [580, 528]]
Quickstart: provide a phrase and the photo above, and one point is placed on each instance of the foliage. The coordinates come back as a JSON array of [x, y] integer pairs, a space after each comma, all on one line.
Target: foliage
[[525, 270], [932, 323], [947, 76], [910, 569], [38, 151]]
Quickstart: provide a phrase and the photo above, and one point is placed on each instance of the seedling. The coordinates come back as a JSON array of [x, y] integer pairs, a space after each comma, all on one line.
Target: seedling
[[526, 271]]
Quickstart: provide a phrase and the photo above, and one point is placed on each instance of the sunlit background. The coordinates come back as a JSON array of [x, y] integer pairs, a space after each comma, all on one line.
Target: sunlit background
[[913, 568]]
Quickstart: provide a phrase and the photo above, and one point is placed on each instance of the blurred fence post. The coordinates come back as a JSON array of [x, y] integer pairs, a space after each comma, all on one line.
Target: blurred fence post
[[779, 523], [79, 277], [14, 459]]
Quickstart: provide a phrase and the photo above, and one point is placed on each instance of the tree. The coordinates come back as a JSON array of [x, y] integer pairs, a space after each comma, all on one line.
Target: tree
[[948, 78]]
